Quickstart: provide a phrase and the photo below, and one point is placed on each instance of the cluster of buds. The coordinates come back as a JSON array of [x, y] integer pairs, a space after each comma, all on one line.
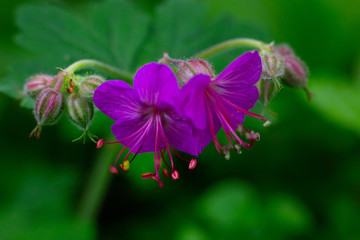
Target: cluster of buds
[[281, 63], [53, 94]]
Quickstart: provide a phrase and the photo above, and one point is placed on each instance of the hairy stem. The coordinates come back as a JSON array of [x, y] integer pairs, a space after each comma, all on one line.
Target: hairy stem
[[232, 43], [93, 64]]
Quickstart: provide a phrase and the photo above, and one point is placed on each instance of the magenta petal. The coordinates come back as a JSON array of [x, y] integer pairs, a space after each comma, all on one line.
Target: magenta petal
[[191, 101], [180, 136], [117, 100], [155, 83], [236, 82], [135, 134], [245, 70]]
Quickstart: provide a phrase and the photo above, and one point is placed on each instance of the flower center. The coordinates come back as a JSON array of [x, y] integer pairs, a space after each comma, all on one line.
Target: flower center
[[153, 126]]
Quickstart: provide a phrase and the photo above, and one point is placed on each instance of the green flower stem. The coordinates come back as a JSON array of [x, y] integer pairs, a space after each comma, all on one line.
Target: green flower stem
[[232, 43], [97, 184], [88, 63]]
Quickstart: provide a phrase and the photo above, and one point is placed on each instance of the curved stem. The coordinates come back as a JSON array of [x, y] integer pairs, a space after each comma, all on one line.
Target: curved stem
[[88, 63], [232, 43], [96, 185]]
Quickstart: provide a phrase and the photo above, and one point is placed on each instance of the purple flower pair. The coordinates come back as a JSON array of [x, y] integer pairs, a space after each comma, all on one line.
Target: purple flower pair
[[156, 116]]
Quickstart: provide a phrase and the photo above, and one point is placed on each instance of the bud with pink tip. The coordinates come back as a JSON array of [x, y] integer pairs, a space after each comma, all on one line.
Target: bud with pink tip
[[296, 72], [49, 105], [189, 68], [37, 83], [192, 67]]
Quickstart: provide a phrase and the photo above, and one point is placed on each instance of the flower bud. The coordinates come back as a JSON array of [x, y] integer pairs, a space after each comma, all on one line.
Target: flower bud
[[80, 112], [296, 72], [283, 50], [49, 105], [272, 66], [89, 85], [37, 83], [192, 67]]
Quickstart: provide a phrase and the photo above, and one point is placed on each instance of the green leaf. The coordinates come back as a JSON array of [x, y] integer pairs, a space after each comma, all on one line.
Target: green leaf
[[182, 28], [55, 37], [337, 101]]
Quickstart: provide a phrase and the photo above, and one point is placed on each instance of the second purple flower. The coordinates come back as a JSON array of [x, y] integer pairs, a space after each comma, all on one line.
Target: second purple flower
[[223, 102]]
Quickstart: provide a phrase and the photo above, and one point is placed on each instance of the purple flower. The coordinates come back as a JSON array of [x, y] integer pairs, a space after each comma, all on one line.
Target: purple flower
[[223, 101], [145, 118]]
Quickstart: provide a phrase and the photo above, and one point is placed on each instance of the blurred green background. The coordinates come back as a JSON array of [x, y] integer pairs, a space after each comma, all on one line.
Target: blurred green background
[[301, 181]]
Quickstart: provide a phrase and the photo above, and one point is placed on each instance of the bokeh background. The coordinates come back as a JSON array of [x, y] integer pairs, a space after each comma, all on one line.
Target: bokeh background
[[301, 181]]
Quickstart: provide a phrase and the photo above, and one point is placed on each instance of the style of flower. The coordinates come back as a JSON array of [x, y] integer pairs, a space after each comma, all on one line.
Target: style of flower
[[145, 118], [223, 101]]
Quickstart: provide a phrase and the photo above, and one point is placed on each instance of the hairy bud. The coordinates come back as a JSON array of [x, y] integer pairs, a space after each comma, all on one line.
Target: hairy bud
[[296, 72], [89, 85], [272, 66], [190, 68], [79, 111], [48, 107], [37, 83]]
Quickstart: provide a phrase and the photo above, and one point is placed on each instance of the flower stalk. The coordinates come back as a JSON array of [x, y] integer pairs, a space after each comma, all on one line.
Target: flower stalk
[[88, 63], [233, 43]]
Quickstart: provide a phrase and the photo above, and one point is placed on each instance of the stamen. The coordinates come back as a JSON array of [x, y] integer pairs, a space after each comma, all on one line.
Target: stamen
[[192, 164], [267, 123], [227, 155], [113, 170], [165, 173], [125, 166], [253, 136], [99, 143], [147, 175], [238, 149], [175, 175]]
